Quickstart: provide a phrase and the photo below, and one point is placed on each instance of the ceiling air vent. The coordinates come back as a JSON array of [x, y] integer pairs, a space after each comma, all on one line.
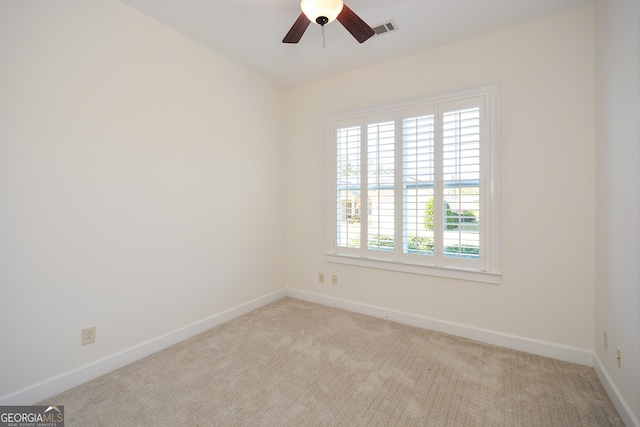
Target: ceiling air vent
[[385, 27]]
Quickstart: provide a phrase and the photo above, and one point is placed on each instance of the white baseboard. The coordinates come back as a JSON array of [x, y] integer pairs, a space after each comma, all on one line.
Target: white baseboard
[[67, 380], [628, 417], [528, 345]]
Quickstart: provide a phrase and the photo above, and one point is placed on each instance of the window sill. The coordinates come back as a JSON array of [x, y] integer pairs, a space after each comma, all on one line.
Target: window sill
[[448, 272]]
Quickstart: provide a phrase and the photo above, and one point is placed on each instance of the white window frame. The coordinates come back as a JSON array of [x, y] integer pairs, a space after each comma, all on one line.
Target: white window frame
[[488, 271]]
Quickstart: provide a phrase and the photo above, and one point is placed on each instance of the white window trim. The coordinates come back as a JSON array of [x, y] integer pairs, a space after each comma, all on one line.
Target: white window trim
[[491, 247]]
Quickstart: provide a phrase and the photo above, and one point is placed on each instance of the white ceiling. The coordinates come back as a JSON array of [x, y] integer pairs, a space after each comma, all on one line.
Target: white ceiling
[[251, 31]]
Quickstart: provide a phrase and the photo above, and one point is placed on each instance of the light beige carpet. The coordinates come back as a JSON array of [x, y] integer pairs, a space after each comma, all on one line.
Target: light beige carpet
[[293, 363]]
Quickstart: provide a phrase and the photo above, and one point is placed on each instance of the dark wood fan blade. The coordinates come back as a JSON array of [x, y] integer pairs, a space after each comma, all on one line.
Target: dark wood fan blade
[[297, 30], [356, 26]]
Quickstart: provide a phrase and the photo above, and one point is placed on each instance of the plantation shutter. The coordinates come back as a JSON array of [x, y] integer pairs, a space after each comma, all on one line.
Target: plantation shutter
[[461, 180], [409, 188], [348, 186], [380, 186], [418, 174]]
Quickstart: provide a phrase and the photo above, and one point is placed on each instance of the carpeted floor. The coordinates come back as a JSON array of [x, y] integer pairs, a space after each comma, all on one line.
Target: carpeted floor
[[293, 363]]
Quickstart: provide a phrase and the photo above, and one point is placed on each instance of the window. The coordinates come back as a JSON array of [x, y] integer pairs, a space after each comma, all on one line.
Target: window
[[413, 186]]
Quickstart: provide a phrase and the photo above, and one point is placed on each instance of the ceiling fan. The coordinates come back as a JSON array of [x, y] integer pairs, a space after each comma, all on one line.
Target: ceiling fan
[[323, 12]]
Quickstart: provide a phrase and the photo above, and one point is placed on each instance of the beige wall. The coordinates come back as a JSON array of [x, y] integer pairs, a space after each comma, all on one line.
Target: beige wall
[[133, 194], [617, 302], [545, 70]]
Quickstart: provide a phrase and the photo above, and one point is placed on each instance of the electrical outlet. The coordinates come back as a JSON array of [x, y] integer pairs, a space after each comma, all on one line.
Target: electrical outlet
[[605, 342], [619, 357], [320, 277], [334, 279], [88, 335]]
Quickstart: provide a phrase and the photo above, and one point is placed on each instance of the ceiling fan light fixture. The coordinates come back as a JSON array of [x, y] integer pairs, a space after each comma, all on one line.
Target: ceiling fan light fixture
[[322, 12]]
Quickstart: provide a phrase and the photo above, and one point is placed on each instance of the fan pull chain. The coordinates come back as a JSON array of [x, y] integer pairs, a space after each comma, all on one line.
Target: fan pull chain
[[322, 36]]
